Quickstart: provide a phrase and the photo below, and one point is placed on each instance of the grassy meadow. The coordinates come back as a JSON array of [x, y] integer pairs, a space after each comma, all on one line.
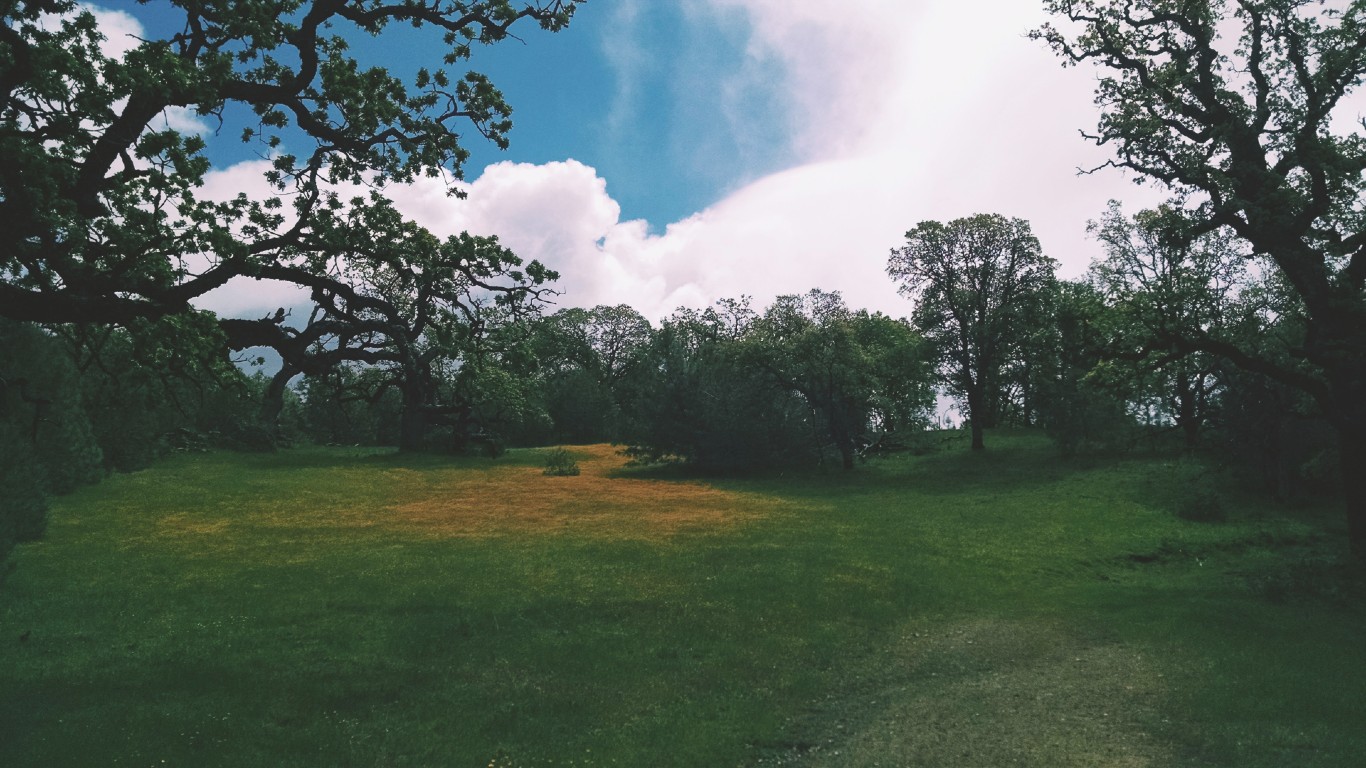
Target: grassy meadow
[[350, 607]]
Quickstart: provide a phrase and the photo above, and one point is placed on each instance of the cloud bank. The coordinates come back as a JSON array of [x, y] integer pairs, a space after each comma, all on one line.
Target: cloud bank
[[896, 114]]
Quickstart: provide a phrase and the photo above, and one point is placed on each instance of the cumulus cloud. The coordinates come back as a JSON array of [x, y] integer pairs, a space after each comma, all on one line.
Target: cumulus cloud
[[898, 113], [561, 214], [122, 32]]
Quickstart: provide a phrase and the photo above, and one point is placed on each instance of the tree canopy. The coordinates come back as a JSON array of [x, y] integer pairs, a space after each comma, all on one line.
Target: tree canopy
[[1242, 110], [974, 281], [100, 192], [1165, 288]]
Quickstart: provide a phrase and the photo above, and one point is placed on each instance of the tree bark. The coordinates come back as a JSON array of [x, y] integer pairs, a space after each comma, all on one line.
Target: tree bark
[[412, 429], [976, 417], [273, 403], [1352, 457], [1186, 416]]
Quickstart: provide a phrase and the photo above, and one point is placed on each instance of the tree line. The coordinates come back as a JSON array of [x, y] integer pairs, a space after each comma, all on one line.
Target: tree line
[[806, 381], [1239, 304]]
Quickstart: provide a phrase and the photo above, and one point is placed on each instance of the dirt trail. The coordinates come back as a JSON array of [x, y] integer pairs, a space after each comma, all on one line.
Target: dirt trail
[[995, 693]]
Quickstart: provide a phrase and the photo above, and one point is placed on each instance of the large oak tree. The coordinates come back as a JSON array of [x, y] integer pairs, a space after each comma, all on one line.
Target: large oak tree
[[1243, 109], [104, 218], [975, 282]]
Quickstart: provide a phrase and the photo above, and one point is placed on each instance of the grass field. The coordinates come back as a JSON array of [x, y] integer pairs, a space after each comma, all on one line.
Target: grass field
[[344, 607]]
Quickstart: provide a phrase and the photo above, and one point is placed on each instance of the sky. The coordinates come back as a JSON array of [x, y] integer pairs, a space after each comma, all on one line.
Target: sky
[[669, 154]]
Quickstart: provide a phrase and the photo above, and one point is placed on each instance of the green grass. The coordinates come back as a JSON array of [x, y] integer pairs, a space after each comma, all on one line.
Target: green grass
[[326, 607]]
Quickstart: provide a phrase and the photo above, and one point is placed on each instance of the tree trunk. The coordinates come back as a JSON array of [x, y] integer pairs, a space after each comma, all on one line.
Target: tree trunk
[[412, 427], [273, 403], [1352, 454], [1187, 418], [1349, 420], [976, 416], [839, 433]]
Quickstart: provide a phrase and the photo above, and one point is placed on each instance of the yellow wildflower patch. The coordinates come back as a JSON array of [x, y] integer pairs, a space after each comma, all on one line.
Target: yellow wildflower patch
[[599, 501]]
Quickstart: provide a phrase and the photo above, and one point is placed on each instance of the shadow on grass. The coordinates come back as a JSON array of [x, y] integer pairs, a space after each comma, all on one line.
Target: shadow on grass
[[1012, 457], [359, 457], [1009, 464]]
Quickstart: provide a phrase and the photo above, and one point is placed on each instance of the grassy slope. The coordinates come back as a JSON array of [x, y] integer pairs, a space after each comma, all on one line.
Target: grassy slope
[[325, 607]]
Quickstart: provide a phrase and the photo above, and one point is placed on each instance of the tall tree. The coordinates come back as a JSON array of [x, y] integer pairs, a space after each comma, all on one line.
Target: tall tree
[[974, 280], [860, 374], [1080, 404], [99, 192], [700, 400], [1165, 285], [1243, 108], [587, 357], [419, 308]]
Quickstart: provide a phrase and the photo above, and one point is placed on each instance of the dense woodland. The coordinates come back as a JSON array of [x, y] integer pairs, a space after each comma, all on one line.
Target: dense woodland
[[1229, 322]]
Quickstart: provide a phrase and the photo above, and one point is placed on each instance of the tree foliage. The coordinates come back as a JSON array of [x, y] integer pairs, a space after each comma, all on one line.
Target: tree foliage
[[105, 221], [1242, 109], [864, 377], [1167, 286], [699, 402], [975, 282], [1080, 405], [728, 388], [589, 364], [46, 443]]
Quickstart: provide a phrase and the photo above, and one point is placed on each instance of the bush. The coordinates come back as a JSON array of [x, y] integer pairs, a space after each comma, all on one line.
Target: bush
[[1201, 505], [40, 400], [558, 463], [23, 503]]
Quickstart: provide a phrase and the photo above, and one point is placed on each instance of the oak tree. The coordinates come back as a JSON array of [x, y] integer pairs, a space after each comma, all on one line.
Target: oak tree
[[862, 376], [974, 281], [1244, 109], [100, 191], [1165, 286]]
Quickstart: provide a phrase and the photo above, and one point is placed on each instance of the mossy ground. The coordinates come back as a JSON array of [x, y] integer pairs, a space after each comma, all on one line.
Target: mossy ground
[[339, 607]]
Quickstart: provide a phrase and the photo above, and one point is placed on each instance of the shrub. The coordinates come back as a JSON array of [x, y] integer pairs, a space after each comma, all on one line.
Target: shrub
[[558, 463], [23, 503], [1201, 505]]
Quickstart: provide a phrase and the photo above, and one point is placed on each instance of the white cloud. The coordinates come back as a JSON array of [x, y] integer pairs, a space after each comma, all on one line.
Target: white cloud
[[561, 214], [122, 32], [900, 113]]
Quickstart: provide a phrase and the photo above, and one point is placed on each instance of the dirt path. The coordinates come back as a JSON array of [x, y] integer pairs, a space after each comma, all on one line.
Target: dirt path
[[994, 693]]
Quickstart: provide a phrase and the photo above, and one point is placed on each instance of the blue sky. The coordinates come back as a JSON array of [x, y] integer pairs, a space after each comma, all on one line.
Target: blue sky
[[626, 89], [632, 94], [670, 154]]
